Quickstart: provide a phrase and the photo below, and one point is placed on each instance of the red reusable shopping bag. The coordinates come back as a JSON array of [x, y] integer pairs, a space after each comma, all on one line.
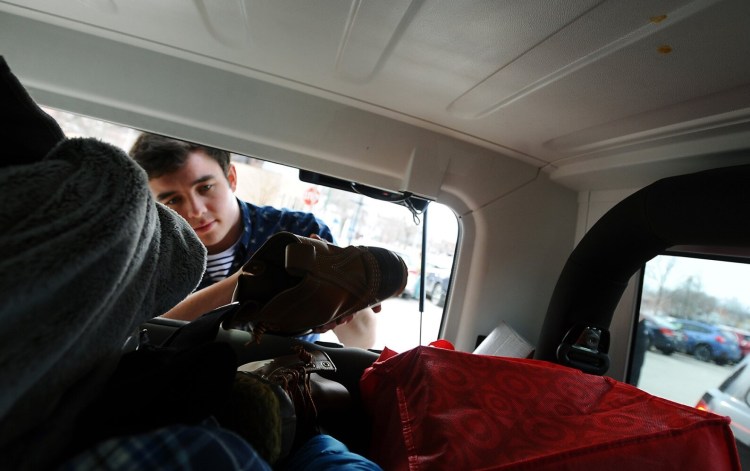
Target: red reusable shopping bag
[[434, 408]]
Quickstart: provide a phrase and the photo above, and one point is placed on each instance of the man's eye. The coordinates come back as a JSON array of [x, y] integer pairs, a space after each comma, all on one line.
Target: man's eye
[[207, 187], [171, 201]]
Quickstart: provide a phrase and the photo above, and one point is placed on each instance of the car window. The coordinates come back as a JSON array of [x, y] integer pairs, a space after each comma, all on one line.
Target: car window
[[737, 384], [354, 219], [701, 299]]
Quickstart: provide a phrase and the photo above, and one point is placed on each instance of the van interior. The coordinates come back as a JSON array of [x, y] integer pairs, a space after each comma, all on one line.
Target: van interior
[[540, 153]]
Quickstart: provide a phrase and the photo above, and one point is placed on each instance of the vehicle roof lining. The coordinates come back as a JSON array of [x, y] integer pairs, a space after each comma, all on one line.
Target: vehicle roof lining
[[572, 91]]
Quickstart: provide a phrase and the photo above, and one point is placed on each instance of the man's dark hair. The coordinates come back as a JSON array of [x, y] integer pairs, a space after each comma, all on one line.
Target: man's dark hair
[[159, 155]]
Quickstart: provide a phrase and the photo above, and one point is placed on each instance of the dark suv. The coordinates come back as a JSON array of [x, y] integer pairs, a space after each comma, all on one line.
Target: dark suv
[[663, 335]]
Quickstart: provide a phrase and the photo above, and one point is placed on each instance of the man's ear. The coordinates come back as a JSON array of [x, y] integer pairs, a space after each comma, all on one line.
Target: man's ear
[[232, 177]]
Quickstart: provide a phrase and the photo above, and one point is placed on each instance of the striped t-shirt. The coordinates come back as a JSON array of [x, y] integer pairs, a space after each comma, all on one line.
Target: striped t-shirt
[[218, 265]]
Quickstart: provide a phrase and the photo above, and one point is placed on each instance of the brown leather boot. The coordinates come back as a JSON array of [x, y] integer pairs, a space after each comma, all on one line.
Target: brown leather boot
[[294, 284]]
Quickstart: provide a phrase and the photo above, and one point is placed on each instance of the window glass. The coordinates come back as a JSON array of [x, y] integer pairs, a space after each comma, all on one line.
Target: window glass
[[354, 220], [693, 312]]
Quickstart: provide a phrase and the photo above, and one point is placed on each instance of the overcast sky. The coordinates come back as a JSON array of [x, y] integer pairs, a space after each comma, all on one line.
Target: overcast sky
[[722, 280]]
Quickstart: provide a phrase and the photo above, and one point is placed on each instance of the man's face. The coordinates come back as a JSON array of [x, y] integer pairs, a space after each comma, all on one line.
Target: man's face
[[204, 197]]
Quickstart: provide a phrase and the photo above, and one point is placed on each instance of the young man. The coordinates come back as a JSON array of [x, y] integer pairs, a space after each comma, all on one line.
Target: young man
[[198, 182]]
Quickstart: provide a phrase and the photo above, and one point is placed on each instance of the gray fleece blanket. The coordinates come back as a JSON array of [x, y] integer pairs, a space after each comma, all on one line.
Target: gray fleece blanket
[[86, 255]]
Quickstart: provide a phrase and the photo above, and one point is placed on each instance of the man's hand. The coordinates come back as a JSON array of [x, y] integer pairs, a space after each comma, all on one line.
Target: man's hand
[[361, 331]]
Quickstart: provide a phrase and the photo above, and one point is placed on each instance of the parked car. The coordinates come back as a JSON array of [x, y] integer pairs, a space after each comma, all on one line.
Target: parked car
[[437, 280], [708, 342], [743, 337], [411, 291], [732, 399], [438, 290], [663, 334]]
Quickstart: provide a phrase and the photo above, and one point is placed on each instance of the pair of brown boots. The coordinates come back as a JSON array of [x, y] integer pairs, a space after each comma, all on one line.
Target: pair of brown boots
[[293, 285]]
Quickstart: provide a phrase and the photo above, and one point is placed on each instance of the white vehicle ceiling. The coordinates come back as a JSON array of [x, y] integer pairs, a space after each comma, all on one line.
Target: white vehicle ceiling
[[598, 94]]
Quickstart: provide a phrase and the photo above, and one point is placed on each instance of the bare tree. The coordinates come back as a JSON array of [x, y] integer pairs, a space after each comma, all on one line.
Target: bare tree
[[657, 272]]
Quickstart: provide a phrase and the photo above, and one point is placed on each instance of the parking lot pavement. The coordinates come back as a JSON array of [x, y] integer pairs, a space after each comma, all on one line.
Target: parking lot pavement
[[679, 377], [398, 324]]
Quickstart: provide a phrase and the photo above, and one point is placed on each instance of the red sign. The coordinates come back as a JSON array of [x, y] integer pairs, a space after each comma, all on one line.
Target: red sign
[[311, 196]]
